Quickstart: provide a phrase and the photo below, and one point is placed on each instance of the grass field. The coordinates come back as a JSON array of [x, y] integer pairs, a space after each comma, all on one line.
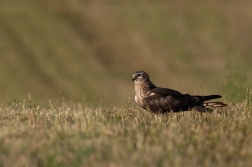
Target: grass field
[[76, 135], [86, 52]]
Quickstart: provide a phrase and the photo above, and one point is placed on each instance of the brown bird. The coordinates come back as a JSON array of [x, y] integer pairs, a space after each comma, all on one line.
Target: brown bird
[[162, 100]]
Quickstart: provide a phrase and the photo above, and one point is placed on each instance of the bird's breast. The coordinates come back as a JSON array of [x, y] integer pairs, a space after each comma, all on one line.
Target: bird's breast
[[141, 93], [136, 99]]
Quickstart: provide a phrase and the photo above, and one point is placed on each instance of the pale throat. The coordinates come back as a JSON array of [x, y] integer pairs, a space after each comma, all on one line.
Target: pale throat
[[141, 90]]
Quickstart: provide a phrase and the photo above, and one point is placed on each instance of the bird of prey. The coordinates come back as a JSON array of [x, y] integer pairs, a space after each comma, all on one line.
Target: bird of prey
[[162, 100]]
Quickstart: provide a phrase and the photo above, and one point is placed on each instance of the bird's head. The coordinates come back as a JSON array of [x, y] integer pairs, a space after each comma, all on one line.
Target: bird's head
[[140, 76]]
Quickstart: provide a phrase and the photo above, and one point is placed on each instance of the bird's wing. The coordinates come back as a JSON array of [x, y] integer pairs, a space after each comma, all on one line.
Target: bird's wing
[[165, 91], [166, 99]]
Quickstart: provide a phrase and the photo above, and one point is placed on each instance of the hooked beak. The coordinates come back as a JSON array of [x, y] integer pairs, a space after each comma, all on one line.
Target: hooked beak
[[134, 78]]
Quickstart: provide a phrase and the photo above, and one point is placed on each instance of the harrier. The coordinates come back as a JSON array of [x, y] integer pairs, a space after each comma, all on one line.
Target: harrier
[[162, 100]]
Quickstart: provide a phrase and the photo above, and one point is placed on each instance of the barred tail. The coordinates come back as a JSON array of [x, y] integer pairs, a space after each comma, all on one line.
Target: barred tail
[[206, 107], [215, 104]]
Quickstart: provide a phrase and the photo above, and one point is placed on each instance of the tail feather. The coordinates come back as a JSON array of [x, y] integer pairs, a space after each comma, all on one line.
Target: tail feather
[[215, 104], [209, 97], [207, 107]]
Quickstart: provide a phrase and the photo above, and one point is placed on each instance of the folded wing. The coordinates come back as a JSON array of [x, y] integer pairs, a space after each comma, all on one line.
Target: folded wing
[[162, 100]]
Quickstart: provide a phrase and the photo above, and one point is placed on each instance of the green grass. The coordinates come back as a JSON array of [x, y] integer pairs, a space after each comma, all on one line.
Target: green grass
[[78, 135]]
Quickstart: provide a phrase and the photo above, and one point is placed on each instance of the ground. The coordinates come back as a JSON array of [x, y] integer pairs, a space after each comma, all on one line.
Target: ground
[[78, 135]]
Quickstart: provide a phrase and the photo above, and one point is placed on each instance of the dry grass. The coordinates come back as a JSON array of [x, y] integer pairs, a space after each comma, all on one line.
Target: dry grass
[[87, 50], [75, 135]]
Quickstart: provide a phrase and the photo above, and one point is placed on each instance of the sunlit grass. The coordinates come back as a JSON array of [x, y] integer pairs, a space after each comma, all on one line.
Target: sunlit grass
[[75, 135], [87, 50]]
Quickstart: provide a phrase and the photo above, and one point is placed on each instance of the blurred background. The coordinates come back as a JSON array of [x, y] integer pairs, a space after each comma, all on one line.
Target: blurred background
[[87, 50]]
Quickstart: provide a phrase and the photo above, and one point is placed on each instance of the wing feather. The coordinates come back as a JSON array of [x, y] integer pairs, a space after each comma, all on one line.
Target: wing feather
[[165, 91], [162, 99]]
